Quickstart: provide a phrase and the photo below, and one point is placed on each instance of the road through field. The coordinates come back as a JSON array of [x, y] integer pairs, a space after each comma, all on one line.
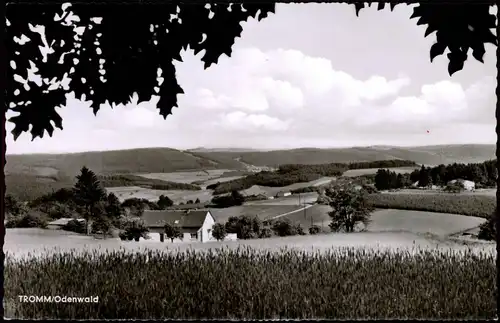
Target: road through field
[[288, 213]]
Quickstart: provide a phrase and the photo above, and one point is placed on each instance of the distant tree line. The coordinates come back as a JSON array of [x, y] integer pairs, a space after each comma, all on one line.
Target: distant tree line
[[483, 174], [386, 179], [392, 163], [224, 201], [297, 173]]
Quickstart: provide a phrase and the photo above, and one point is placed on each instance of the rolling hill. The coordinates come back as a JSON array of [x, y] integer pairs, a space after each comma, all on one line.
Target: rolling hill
[[430, 155], [145, 160], [35, 174], [164, 160]]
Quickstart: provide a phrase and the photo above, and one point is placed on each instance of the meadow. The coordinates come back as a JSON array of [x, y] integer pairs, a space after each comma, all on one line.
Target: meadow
[[465, 204], [391, 220], [246, 283], [187, 176]]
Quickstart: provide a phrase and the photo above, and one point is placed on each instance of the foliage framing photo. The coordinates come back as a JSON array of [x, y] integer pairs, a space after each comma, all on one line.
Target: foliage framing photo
[[115, 50], [134, 54]]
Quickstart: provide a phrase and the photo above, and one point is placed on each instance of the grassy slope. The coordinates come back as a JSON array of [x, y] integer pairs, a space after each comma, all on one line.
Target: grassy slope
[[148, 160]]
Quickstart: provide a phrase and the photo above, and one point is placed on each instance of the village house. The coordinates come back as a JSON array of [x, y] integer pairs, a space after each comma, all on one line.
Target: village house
[[194, 225]]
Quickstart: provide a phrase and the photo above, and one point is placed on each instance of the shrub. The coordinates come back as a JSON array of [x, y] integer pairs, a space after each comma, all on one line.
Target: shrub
[[265, 233], [314, 229], [164, 202], [487, 230], [219, 231], [455, 187], [33, 219], [339, 284], [134, 230], [172, 232], [101, 225], [299, 230], [225, 201], [284, 227], [75, 226], [244, 226]]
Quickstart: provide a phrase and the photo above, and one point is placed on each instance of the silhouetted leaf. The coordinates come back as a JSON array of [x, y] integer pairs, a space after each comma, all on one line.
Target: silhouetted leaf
[[458, 27], [437, 49], [358, 6], [457, 60], [115, 58], [478, 52]]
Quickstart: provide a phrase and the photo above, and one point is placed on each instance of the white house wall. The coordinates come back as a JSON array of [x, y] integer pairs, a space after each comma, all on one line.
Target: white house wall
[[205, 232]]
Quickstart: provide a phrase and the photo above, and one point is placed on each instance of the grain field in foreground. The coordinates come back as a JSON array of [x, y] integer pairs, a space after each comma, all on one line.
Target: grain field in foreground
[[244, 283]]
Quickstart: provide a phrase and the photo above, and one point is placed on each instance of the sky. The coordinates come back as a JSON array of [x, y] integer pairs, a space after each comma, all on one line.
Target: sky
[[310, 75]]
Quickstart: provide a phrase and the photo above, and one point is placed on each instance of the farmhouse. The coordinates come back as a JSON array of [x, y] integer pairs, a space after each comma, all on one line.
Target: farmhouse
[[283, 194], [60, 223], [194, 225], [468, 185]]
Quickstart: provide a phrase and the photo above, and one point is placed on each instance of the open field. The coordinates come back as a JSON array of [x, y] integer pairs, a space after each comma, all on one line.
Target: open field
[[187, 177], [440, 224], [373, 171], [294, 199], [272, 191], [388, 220], [460, 203], [177, 196]]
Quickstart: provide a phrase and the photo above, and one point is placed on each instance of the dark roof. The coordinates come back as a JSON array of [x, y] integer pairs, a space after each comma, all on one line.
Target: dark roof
[[191, 219]]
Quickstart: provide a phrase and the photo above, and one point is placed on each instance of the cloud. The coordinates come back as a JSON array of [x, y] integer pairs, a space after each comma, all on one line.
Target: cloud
[[270, 99], [239, 121]]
